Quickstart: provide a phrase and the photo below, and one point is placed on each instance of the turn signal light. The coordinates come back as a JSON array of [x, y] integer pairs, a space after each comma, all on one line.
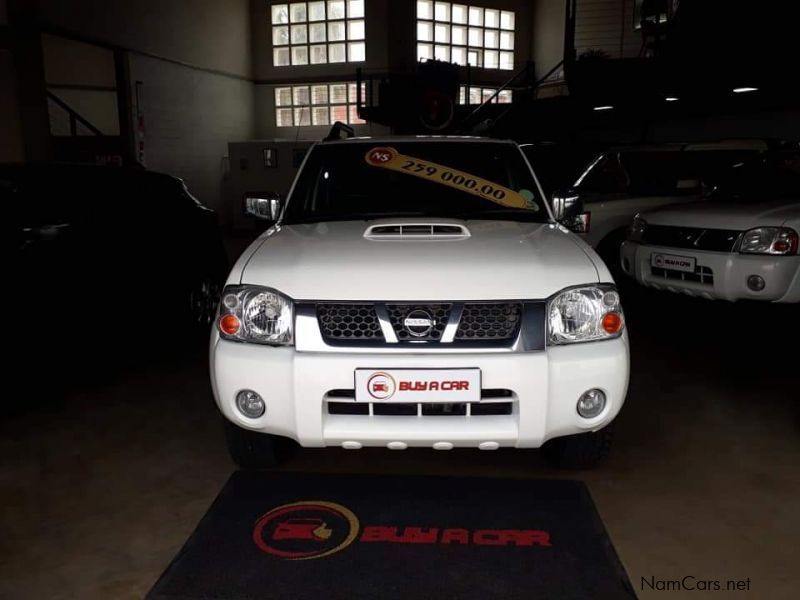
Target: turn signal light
[[229, 324], [612, 322]]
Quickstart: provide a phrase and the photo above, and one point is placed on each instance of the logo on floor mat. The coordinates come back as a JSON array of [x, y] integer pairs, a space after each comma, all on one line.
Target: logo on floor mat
[[316, 528], [305, 530]]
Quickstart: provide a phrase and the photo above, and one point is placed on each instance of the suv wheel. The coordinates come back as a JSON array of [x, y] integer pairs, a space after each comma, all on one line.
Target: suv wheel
[[581, 451], [253, 450]]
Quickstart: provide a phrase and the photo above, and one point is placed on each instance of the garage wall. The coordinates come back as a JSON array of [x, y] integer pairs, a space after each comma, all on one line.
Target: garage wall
[[11, 144], [547, 34], [193, 61], [606, 25]]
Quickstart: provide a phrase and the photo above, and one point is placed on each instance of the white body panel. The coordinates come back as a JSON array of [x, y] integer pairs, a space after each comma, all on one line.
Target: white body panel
[[730, 269]]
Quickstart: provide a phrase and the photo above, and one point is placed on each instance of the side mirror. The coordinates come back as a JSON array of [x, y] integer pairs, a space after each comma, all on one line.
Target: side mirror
[[567, 205], [265, 206]]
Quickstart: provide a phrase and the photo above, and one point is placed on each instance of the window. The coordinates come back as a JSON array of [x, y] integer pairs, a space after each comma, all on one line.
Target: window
[[314, 33], [479, 95], [461, 34], [317, 104]]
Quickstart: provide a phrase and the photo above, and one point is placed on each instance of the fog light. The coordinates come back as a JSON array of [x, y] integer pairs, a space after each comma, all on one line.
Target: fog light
[[756, 283], [250, 404], [591, 403]]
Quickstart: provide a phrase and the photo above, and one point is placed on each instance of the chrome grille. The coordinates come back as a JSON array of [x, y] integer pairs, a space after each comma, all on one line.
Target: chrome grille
[[349, 322], [702, 275], [440, 313], [489, 321], [714, 240]]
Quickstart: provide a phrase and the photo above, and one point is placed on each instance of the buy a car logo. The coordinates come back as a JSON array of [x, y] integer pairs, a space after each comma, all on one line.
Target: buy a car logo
[[302, 529], [381, 386]]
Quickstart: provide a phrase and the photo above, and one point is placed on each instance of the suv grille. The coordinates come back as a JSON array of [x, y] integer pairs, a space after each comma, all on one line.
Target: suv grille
[[489, 322], [714, 240], [349, 322], [477, 322]]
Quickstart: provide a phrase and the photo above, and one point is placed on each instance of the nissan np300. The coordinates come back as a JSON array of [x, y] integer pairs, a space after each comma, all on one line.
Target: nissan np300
[[418, 292]]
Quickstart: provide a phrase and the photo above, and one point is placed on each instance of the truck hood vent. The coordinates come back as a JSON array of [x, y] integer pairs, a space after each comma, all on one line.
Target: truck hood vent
[[417, 231]]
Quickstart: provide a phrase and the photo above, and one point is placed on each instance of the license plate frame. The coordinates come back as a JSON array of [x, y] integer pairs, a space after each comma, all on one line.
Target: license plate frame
[[410, 385]]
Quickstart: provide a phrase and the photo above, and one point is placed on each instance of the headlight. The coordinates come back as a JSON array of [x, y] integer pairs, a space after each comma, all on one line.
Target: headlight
[[250, 313], [769, 240], [584, 314], [636, 229]]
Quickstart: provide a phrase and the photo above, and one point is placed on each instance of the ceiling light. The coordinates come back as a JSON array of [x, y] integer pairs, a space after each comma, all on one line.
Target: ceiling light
[[671, 99], [744, 90], [603, 107]]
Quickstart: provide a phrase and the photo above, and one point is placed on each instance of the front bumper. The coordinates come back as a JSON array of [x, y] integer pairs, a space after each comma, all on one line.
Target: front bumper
[[724, 275], [545, 387]]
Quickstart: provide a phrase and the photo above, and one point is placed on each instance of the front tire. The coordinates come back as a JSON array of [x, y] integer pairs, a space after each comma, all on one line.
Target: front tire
[[254, 450], [581, 451]]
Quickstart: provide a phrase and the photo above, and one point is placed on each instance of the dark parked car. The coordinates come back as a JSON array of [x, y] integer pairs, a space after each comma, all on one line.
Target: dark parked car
[[106, 258]]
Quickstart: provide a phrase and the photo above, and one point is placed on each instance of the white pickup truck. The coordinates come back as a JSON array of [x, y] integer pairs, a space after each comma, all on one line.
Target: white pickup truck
[[418, 292]]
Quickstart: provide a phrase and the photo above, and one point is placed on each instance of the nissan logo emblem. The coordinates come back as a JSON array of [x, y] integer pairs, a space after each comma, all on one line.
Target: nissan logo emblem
[[419, 323]]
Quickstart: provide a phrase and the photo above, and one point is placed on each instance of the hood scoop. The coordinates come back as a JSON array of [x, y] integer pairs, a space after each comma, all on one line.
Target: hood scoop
[[417, 231]]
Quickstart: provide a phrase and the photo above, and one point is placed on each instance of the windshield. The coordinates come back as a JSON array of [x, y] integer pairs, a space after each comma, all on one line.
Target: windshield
[[776, 176], [462, 180]]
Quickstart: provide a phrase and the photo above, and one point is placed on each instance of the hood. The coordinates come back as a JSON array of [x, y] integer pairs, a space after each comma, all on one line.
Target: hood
[[492, 260], [737, 216]]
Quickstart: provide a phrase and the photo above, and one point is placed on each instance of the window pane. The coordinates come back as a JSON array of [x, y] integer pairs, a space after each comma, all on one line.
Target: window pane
[[475, 16], [507, 60], [425, 9], [491, 38], [507, 20], [475, 36], [280, 35], [491, 18], [442, 53], [316, 33], [352, 97], [504, 97], [491, 60], [424, 51], [299, 34], [336, 9], [486, 93], [441, 11], [462, 94], [280, 57], [355, 9], [354, 119], [506, 40], [474, 95], [319, 54], [458, 35], [355, 30], [321, 115], [336, 31], [319, 94], [459, 13], [299, 55], [302, 116], [442, 33], [474, 57], [283, 96], [283, 117], [298, 12], [280, 13], [316, 11], [336, 53], [424, 31], [301, 96], [338, 93], [339, 113], [458, 55], [357, 52]]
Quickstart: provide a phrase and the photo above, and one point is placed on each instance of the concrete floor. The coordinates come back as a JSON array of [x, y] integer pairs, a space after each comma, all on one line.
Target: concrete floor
[[101, 484]]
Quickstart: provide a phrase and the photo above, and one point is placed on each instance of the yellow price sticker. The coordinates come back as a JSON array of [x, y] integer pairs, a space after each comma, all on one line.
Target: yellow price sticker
[[389, 158]]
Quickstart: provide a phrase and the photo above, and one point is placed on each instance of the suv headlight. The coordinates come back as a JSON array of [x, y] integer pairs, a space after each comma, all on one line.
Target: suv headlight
[[249, 313], [584, 314], [636, 229], [769, 240]]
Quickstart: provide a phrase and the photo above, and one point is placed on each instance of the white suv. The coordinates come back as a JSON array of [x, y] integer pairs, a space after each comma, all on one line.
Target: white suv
[[418, 292]]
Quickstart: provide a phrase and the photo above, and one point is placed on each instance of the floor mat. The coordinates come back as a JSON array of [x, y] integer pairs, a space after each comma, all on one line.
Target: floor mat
[[298, 536]]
